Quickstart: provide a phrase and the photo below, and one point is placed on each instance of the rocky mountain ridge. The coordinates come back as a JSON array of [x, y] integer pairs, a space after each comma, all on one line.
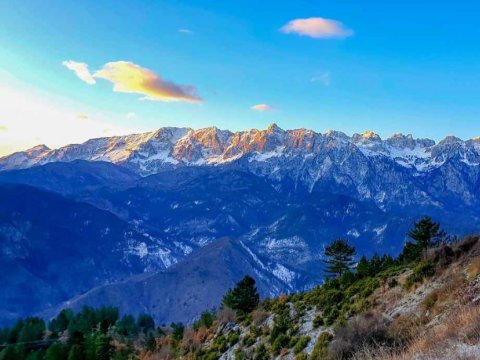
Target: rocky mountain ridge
[[399, 171], [149, 152]]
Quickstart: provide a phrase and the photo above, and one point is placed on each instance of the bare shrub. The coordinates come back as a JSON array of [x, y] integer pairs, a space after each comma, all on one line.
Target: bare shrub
[[370, 329], [194, 339], [405, 328], [226, 315], [473, 269], [469, 245], [259, 317]]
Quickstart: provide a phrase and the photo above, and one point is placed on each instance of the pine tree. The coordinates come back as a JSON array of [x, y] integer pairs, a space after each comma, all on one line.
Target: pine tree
[[363, 267], [145, 323], [425, 233], [103, 348], [244, 297], [33, 329], [56, 352], [339, 257], [76, 353]]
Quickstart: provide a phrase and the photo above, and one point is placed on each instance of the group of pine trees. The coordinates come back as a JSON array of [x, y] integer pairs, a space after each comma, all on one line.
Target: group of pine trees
[[91, 333], [340, 254]]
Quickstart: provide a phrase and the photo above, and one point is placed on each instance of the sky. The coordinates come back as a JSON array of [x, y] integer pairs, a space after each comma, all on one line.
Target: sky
[[72, 70]]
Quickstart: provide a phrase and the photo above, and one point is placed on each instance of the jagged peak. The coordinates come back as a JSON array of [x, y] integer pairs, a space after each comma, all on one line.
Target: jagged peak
[[41, 147], [336, 134], [401, 141], [273, 127], [399, 135], [451, 139], [370, 135], [367, 137]]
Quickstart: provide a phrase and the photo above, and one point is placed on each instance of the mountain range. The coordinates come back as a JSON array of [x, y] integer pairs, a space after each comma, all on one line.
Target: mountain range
[[134, 216]]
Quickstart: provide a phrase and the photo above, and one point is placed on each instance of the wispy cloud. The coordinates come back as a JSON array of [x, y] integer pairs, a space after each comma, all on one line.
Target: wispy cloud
[[83, 116], [322, 78], [317, 27], [185, 31], [263, 107], [81, 70], [131, 115], [128, 77], [3, 128]]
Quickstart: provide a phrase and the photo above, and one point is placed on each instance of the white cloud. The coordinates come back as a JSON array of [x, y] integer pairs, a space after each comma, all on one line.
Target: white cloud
[[263, 107], [317, 27], [131, 115], [81, 70]]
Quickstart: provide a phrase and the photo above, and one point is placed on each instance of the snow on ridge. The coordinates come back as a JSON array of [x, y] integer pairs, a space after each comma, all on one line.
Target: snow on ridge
[[283, 274], [260, 157], [254, 257]]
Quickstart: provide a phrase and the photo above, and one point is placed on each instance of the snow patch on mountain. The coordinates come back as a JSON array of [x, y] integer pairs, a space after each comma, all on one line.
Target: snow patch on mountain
[[283, 274]]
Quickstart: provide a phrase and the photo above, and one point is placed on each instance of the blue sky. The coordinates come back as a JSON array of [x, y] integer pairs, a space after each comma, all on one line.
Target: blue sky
[[409, 66]]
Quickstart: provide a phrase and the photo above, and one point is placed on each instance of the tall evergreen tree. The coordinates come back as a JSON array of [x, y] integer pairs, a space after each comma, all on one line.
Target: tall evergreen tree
[[56, 351], [425, 233], [103, 347], [33, 329], [363, 267], [76, 353], [339, 257], [244, 297]]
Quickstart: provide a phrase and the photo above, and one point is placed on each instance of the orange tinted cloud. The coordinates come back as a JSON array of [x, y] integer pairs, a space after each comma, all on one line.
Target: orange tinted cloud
[[317, 27], [262, 107], [128, 77], [81, 70]]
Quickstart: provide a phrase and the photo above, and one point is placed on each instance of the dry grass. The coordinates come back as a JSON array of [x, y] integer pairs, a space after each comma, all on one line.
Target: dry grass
[[447, 324], [461, 328], [259, 317], [473, 269]]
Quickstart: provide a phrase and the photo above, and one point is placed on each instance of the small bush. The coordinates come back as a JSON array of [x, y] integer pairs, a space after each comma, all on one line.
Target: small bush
[[330, 316], [301, 356], [233, 338], [261, 353], [293, 341], [320, 351], [249, 340], [430, 300], [421, 271], [280, 342], [240, 354], [392, 283], [301, 344], [318, 321], [206, 319]]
